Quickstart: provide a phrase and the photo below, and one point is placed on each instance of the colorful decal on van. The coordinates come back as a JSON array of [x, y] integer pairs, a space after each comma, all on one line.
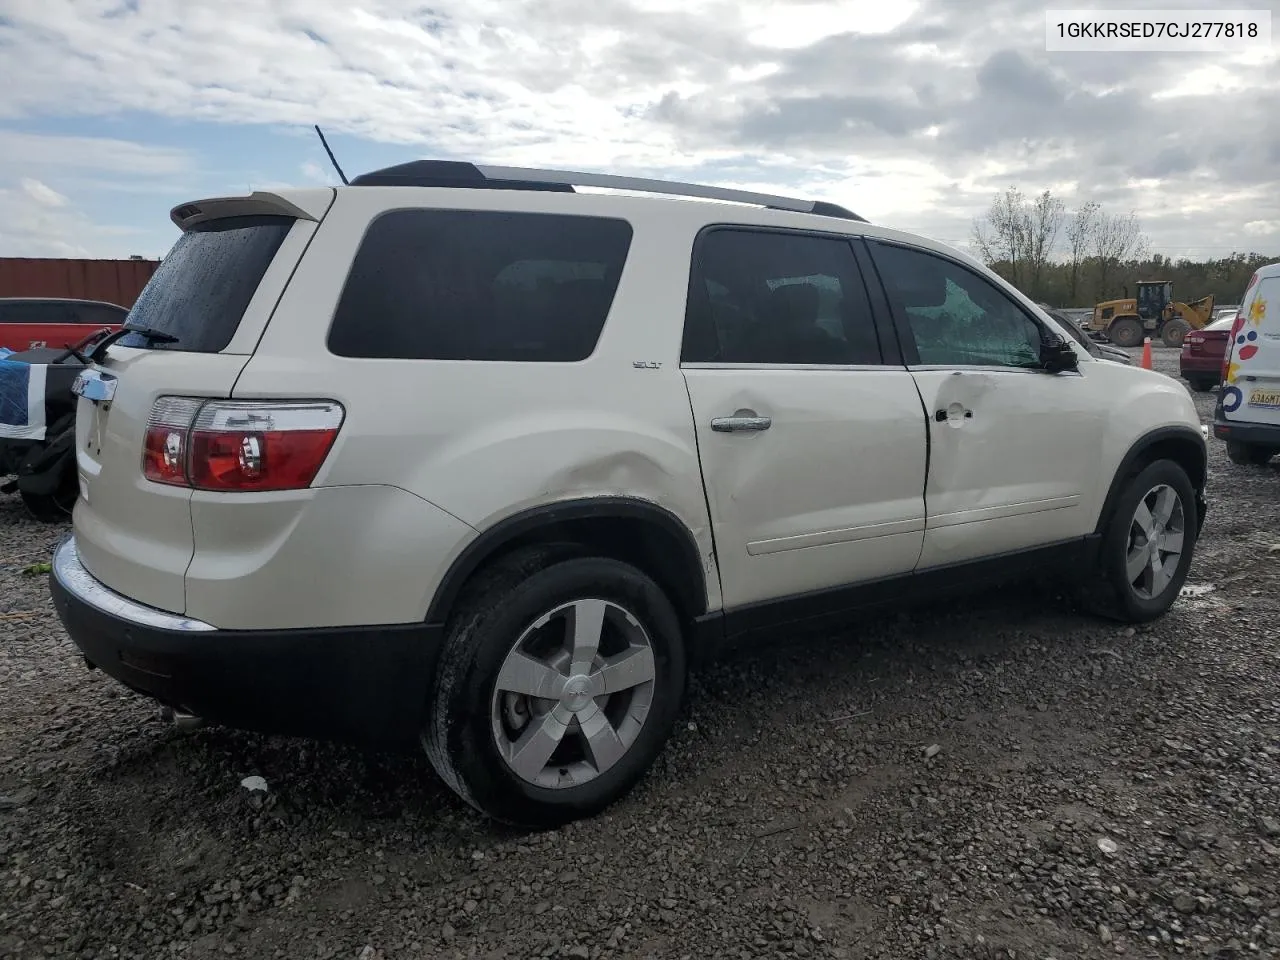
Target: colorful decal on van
[[1231, 399], [1244, 343]]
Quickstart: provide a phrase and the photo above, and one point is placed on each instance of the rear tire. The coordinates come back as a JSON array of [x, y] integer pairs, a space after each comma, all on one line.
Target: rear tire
[[1154, 516], [1249, 454], [521, 665], [1202, 384], [1125, 332], [52, 507]]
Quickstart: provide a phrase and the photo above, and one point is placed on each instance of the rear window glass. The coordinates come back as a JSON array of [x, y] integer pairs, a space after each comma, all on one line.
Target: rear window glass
[[201, 289], [480, 285]]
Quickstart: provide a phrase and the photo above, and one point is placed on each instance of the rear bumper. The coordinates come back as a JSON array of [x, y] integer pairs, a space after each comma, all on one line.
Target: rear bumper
[[1200, 365], [1263, 434], [366, 684]]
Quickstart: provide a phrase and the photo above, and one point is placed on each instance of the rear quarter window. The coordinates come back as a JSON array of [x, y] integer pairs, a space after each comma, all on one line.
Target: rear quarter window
[[480, 285], [202, 287]]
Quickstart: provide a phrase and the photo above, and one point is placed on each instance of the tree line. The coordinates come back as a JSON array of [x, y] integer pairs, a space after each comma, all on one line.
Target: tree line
[[1076, 258]]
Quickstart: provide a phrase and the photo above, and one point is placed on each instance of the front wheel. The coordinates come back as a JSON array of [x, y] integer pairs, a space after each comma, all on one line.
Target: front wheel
[[557, 687], [1147, 546], [1249, 454]]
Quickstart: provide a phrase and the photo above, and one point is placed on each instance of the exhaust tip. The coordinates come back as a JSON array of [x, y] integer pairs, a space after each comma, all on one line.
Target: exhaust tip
[[185, 722]]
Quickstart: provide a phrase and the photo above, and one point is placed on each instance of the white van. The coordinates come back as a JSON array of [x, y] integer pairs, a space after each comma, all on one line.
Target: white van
[[1248, 411]]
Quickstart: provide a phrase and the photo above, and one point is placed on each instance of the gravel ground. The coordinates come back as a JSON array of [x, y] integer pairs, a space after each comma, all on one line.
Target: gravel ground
[[1002, 778]]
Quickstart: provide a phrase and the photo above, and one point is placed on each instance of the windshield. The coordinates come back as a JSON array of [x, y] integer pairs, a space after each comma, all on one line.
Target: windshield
[[201, 289]]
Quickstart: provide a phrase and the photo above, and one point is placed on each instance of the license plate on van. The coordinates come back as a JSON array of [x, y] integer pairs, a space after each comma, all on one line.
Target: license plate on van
[[1265, 398]]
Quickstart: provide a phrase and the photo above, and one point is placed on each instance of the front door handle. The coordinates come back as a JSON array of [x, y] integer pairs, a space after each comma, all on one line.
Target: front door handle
[[943, 414], [739, 423]]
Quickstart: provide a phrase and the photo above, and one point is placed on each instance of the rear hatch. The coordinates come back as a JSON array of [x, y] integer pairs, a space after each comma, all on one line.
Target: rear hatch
[[1251, 393], [204, 311]]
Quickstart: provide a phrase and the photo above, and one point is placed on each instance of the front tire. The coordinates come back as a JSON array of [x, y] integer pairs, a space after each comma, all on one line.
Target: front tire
[[1249, 454], [557, 687], [1147, 546]]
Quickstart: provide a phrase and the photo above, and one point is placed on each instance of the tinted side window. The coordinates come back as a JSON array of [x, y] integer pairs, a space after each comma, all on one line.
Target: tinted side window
[[772, 297], [480, 285], [956, 317], [201, 289]]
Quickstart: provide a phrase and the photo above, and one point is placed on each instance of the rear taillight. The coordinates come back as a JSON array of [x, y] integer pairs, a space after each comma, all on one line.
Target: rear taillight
[[239, 445], [164, 453], [1236, 325]]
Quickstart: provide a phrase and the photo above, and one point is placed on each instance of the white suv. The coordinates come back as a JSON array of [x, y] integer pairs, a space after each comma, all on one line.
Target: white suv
[[462, 454]]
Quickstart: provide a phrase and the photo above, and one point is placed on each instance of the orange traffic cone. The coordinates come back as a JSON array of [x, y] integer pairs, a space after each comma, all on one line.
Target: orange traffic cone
[[1146, 354]]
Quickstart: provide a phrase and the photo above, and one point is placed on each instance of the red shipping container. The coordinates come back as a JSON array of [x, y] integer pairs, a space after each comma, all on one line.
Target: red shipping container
[[112, 281]]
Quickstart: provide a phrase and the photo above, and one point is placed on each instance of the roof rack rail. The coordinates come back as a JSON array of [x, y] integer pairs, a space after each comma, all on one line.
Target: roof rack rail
[[458, 173]]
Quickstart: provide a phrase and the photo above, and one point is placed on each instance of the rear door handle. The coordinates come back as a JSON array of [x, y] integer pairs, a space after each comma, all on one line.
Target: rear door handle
[[740, 424]]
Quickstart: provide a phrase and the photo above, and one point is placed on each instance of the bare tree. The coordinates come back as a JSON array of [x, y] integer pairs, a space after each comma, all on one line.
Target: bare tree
[[1080, 236], [1116, 239], [1001, 236], [1042, 222]]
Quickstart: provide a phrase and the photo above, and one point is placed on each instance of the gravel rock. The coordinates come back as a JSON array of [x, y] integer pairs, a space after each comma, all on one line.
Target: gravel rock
[[765, 830]]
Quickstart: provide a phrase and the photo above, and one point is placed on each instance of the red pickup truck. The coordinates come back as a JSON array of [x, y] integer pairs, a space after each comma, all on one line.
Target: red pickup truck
[[27, 322]]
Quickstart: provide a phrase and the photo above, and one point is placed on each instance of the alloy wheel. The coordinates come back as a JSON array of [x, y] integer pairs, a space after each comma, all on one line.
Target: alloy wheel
[[573, 693], [1156, 536]]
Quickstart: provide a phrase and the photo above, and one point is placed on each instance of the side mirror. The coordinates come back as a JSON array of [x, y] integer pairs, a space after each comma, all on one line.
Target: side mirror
[[1057, 355]]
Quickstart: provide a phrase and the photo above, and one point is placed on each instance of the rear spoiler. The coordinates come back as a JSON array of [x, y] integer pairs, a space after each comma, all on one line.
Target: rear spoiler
[[257, 204]]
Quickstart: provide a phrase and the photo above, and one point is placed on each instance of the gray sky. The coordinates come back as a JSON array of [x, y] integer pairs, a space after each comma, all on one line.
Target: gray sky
[[912, 114]]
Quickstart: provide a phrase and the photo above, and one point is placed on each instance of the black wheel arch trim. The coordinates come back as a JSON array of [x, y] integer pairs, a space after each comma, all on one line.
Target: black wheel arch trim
[[1135, 454], [493, 539]]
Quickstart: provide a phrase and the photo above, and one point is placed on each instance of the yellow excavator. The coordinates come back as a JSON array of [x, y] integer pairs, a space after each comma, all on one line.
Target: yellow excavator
[[1152, 313]]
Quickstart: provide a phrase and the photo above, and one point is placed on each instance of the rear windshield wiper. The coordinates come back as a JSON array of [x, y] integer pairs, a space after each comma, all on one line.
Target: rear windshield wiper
[[148, 334], [75, 350]]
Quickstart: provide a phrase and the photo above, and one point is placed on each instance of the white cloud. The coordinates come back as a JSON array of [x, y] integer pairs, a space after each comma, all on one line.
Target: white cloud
[[1262, 228], [1213, 79], [313, 172], [792, 25], [25, 153], [42, 194], [42, 175], [32, 226]]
